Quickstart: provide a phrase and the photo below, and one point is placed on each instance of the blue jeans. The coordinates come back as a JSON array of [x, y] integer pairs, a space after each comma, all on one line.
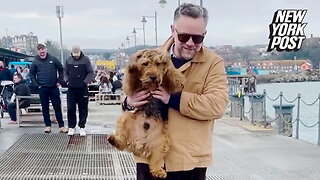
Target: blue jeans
[[53, 94], [12, 111]]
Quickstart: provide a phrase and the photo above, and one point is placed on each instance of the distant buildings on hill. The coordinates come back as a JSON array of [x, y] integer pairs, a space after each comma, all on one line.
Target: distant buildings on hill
[[20, 43]]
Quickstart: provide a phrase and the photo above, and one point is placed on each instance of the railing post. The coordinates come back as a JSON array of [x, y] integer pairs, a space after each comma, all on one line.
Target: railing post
[[252, 116], [298, 116], [264, 106], [241, 108], [281, 96], [319, 122]]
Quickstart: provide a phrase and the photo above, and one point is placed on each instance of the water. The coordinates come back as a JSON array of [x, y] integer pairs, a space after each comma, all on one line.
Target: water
[[309, 115]]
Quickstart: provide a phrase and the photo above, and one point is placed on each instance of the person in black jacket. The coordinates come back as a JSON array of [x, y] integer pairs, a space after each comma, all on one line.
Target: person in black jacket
[[43, 74], [5, 73], [20, 89], [78, 74]]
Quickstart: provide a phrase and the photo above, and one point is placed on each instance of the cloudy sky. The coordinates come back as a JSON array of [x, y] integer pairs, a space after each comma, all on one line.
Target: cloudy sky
[[106, 23]]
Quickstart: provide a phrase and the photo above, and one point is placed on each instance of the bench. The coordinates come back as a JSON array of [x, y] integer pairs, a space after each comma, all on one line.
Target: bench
[[33, 113]]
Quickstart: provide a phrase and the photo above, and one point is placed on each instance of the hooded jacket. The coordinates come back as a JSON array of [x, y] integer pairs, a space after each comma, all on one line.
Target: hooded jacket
[[203, 100], [78, 72], [43, 72], [22, 89]]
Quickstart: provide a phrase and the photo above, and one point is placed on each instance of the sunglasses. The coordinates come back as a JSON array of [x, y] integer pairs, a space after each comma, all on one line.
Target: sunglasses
[[196, 38]]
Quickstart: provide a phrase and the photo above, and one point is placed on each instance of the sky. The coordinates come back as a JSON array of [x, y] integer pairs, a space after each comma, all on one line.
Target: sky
[[105, 24]]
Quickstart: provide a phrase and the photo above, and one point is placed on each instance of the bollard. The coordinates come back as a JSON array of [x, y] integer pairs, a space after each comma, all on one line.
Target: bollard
[[284, 122], [256, 101], [237, 104]]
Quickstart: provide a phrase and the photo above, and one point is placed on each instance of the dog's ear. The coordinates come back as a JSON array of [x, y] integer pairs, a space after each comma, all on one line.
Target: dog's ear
[[132, 69], [135, 57], [173, 80], [131, 79]]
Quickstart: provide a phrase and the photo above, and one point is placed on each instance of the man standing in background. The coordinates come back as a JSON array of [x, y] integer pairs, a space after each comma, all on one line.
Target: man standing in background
[[43, 74], [78, 74]]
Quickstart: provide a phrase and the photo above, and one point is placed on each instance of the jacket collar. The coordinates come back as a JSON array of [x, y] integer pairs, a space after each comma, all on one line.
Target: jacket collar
[[165, 48]]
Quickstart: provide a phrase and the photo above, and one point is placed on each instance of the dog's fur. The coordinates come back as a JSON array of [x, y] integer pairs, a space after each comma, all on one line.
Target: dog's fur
[[144, 132]]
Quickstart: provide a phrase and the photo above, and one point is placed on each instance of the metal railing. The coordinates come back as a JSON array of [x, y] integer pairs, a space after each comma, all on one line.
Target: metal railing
[[280, 117]]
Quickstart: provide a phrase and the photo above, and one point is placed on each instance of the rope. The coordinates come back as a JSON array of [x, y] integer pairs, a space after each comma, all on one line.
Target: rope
[[273, 99], [273, 120], [290, 101], [287, 122], [258, 96], [308, 126], [248, 111], [310, 103]]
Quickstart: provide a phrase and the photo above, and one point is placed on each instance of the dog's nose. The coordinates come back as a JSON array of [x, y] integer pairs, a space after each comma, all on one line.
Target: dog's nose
[[153, 78]]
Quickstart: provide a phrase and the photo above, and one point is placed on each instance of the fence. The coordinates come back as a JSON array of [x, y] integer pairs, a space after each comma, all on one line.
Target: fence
[[283, 111]]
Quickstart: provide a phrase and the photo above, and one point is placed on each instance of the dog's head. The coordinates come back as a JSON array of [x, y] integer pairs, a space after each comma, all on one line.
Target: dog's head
[[149, 67]]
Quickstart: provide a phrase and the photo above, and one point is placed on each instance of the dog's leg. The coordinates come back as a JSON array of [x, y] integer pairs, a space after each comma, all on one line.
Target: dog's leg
[[117, 141], [157, 158], [173, 81]]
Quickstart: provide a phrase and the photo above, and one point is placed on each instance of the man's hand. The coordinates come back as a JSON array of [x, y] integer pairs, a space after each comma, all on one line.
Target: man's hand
[[138, 99], [161, 94]]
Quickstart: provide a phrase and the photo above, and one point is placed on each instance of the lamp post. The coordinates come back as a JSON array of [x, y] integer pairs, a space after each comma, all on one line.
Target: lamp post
[[59, 10], [164, 2], [135, 35], [144, 21], [128, 41], [144, 33]]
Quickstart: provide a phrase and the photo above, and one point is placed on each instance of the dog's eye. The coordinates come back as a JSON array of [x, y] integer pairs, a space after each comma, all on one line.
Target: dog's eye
[[158, 64], [145, 64]]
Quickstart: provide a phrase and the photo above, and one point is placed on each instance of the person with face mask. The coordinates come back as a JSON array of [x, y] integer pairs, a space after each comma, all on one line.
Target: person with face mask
[[46, 73]]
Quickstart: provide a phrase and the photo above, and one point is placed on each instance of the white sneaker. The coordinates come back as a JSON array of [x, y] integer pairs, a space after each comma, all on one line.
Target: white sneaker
[[82, 132], [71, 131]]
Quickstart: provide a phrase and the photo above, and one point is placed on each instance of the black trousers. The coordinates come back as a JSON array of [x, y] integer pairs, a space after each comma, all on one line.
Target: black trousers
[[143, 173], [53, 94], [77, 96]]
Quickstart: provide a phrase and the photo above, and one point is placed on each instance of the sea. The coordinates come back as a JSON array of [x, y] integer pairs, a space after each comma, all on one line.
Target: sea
[[309, 114]]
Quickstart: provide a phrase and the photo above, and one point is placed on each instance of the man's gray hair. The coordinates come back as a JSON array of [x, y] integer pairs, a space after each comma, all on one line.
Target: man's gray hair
[[191, 10]]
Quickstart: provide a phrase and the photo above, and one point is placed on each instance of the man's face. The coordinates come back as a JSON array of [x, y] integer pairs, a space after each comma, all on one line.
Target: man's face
[[191, 26], [16, 79], [42, 52]]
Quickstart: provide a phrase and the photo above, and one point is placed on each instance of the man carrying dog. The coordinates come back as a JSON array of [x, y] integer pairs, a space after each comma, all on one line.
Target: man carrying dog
[[191, 112], [78, 74]]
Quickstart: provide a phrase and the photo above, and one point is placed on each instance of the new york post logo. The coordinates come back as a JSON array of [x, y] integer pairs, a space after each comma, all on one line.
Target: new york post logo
[[287, 30]]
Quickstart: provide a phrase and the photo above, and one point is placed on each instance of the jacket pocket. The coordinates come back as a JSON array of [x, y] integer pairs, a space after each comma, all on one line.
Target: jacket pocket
[[193, 87]]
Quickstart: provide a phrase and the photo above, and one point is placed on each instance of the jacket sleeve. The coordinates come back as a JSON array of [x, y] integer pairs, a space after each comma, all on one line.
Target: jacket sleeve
[[212, 102], [90, 74], [33, 73], [60, 70]]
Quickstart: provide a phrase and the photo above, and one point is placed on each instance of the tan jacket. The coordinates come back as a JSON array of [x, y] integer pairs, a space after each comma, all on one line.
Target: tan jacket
[[203, 99]]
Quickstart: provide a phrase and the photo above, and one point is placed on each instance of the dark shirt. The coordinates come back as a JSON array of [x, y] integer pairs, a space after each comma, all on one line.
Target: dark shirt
[[174, 101]]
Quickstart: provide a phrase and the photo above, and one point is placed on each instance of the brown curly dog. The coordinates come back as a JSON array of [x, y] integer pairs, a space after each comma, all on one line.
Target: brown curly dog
[[144, 131]]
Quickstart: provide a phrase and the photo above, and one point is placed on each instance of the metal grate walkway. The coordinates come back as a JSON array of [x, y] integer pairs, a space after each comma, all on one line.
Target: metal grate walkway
[[58, 156]]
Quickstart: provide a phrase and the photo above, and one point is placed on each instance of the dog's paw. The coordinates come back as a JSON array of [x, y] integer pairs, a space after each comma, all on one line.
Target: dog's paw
[[112, 140], [158, 173]]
